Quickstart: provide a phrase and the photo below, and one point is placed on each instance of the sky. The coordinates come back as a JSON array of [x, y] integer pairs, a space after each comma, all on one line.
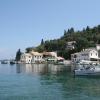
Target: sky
[[23, 23]]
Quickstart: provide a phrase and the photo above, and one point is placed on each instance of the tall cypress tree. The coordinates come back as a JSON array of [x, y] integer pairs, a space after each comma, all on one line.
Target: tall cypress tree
[[42, 42], [18, 55]]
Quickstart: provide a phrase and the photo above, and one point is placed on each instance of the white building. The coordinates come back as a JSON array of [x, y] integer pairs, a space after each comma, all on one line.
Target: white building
[[98, 47], [71, 45], [50, 56], [32, 57], [26, 58], [88, 54], [36, 57]]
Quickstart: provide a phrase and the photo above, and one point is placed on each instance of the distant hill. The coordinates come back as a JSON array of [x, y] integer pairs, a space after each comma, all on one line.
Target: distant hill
[[85, 38]]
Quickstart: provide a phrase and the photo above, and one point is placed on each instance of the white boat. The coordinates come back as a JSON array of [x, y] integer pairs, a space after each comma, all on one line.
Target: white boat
[[88, 70], [4, 62]]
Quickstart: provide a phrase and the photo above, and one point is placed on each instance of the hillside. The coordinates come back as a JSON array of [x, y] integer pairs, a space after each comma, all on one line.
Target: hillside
[[85, 38]]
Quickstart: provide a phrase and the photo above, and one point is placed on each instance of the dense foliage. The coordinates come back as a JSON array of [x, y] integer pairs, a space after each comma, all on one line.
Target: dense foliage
[[88, 37]]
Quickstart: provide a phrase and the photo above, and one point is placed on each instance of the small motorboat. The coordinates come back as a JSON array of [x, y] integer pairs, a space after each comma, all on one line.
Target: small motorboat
[[88, 70], [4, 62], [12, 62]]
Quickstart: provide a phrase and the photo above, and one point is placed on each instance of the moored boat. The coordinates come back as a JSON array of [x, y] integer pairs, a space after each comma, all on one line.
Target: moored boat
[[12, 62], [87, 70], [4, 62]]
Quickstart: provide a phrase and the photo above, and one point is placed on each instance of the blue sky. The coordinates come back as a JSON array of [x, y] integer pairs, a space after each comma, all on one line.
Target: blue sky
[[23, 23]]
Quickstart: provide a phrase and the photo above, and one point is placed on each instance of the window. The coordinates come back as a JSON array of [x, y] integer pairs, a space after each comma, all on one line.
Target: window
[[75, 56], [84, 54], [29, 56], [96, 54]]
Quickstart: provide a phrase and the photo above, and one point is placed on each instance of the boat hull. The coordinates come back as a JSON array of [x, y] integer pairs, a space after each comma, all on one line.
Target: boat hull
[[87, 72]]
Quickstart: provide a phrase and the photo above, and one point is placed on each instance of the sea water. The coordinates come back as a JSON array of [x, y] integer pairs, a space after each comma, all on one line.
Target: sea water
[[45, 82]]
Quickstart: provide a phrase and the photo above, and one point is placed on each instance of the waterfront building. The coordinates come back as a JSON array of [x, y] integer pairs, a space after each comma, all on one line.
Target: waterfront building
[[26, 58], [90, 54], [98, 47], [36, 57], [60, 59], [50, 56], [31, 57]]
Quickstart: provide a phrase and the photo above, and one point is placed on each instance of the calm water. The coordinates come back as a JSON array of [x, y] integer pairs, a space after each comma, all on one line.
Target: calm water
[[45, 82]]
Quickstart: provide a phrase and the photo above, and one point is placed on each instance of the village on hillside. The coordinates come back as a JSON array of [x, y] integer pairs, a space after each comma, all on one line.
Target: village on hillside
[[32, 57], [88, 54]]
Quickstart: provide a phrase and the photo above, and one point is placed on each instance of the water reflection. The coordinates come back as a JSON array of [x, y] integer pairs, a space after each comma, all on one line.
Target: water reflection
[[39, 68], [55, 82]]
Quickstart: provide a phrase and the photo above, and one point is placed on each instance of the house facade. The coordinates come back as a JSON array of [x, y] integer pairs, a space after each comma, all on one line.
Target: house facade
[[70, 45], [87, 54], [36, 57], [50, 56], [26, 58], [32, 57]]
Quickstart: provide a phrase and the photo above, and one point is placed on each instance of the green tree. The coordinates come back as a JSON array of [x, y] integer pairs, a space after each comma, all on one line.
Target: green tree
[[88, 29], [72, 30], [40, 48], [65, 33], [42, 42], [99, 28], [18, 55], [98, 38], [81, 43], [29, 49]]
